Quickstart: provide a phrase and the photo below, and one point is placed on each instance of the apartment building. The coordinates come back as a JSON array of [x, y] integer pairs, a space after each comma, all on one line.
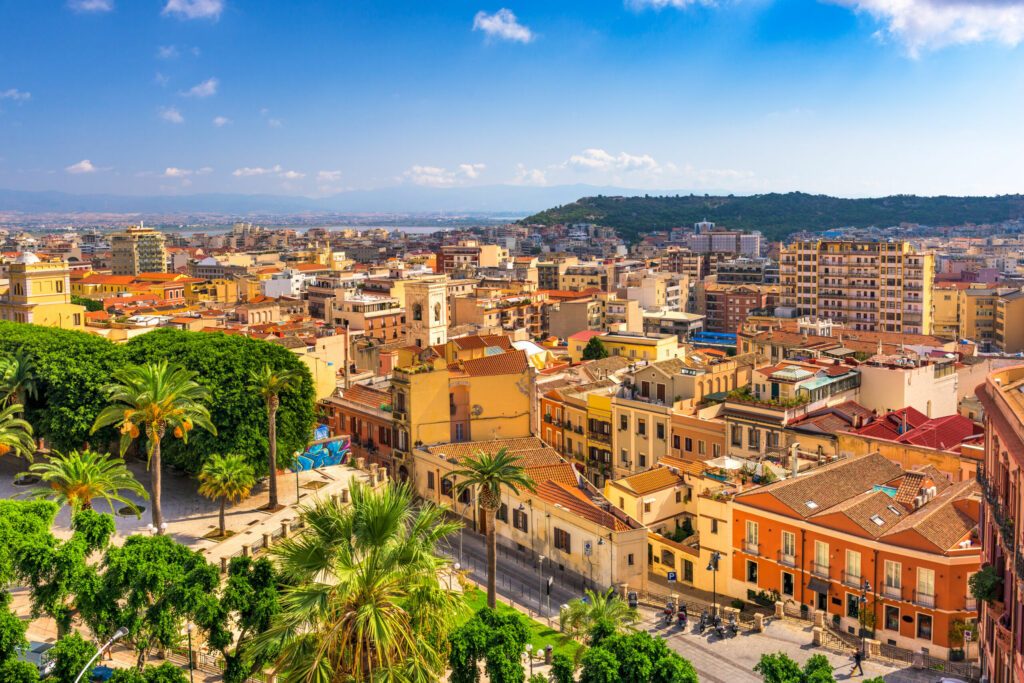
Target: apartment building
[[725, 307], [1008, 336], [871, 286], [377, 317], [868, 543], [1001, 477], [138, 250], [494, 308], [600, 311], [583, 276], [470, 255]]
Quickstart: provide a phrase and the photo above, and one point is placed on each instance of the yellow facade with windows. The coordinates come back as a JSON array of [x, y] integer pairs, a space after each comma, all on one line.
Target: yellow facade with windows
[[40, 293]]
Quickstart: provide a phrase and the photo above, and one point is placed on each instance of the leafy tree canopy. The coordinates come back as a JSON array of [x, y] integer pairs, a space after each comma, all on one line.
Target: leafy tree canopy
[[165, 673], [778, 667], [90, 304], [635, 658], [595, 349], [68, 655]]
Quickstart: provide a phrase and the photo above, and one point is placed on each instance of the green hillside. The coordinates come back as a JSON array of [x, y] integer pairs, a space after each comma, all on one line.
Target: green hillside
[[778, 215]]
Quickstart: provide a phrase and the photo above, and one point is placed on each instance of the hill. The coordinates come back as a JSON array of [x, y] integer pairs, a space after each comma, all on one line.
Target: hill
[[778, 215]]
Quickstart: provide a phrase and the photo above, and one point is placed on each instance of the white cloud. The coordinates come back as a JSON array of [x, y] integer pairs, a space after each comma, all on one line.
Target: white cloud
[[221, 121], [205, 170], [91, 5], [529, 176], [83, 166], [292, 175], [171, 115], [328, 176], [194, 9], [639, 5], [15, 94], [932, 24], [207, 88], [167, 52], [435, 176], [172, 172], [161, 79], [502, 25], [595, 159], [249, 171]]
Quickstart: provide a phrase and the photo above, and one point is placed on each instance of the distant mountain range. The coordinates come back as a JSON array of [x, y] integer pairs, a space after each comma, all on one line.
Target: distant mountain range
[[778, 215], [517, 200]]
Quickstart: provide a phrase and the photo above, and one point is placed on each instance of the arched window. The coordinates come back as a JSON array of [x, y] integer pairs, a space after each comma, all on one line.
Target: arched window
[[437, 313], [417, 312]]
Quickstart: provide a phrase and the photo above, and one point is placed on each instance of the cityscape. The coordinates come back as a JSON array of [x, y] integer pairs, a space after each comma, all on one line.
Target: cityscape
[[315, 370]]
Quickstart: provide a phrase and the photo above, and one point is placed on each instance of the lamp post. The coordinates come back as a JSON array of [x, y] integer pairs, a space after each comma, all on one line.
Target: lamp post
[[713, 568], [529, 655], [540, 573], [298, 491], [865, 589], [191, 664], [118, 635]]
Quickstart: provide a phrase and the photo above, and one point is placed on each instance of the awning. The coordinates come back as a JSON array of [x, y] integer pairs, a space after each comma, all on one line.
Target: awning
[[818, 585]]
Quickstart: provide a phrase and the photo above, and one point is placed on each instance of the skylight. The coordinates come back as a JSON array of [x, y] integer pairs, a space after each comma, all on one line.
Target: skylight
[[877, 520], [893, 510], [811, 504]]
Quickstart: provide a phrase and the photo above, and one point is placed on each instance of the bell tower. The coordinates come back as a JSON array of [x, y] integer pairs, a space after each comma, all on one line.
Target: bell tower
[[426, 311]]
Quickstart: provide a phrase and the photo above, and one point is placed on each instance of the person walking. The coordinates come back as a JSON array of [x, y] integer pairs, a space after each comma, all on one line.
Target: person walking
[[857, 658]]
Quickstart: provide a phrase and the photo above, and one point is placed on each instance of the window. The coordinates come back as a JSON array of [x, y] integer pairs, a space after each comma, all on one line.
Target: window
[[751, 571], [679, 496], [430, 480], [852, 605], [737, 436], [563, 541], [714, 526], [446, 486], [716, 450], [754, 438], [629, 560], [789, 544], [701, 450], [675, 441], [645, 389], [502, 513], [642, 459], [519, 520], [641, 427], [751, 532], [925, 582], [623, 422], [924, 626], [893, 579], [668, 558], [788, 584], [821, 557], [689, 445], [647, 507], [625, 456], [660, 431], [852, 565], [892, 618]]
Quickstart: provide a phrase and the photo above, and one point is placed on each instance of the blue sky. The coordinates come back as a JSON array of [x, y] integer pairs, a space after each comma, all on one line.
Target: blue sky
[[314, 97]]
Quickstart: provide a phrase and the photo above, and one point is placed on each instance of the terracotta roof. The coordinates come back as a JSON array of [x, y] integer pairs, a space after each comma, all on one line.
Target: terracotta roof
[[652, 480], [97, 279], [835, 418], [941, 521], [307, 267], [941, 433], [692, 467], [585, 335], [562, 473], [367, 396], [873, 511], [508, 363], [517, 445], [575, 501], [474, 341]]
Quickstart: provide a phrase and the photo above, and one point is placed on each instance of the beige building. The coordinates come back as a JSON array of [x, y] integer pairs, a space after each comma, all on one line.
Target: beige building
[[1009, 331], [869, 286], [40, 293], [946, 310], [138, 250], [604, 312]]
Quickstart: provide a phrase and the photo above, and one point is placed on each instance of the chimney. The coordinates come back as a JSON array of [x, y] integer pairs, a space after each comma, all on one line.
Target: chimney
[[794, 460]]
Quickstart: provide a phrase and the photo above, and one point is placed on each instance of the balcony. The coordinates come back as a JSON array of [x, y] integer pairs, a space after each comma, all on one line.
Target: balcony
[[819, 569], [893, 592], [399, 415], [787, 559], [751, 547], [601, 438], [970, 604], [924, 599], [853, 580]]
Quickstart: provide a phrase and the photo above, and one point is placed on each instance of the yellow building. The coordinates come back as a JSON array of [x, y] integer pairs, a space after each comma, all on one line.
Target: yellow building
[[978, 314], [216, 291], [946, 311], [138, 250], [40, 293], [1009, 331], [634, 346]]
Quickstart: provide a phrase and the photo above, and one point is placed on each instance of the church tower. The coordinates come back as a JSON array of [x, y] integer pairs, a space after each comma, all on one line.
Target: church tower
[[426, 311], [40, 293]]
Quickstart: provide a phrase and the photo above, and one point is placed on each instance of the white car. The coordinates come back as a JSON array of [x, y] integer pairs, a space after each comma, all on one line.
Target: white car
[[34, 656]]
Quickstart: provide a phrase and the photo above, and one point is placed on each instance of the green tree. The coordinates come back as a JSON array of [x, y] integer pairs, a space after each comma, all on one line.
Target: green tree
[[499, 638], [595, 349], [489, 473], [270, 384], [583, 613], [77, 478], [818, 669], [984, 584], [364, 591], [250, 599], [778, 668], [91, 305], [24, 526], [12, 629], [18, 671], [599, 666], [165, 673], [15, 432], [223, 364], [150, 399], [224, 478], [68, 656], [635, 658], [150, 586], [17, 377], [563, 668]]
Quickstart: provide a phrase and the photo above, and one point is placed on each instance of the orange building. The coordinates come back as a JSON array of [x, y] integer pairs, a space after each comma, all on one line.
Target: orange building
[[863, 531], [365, 413]]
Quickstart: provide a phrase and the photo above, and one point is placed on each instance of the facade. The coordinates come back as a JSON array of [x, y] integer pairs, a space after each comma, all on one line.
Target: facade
[[725, 307], [583, 276], [1009, 328], [905, 541], [892, 382], [39, 292], [871, 286], [426, 303], [379, 318], [138, 250], [1002, 619], [469, 256]]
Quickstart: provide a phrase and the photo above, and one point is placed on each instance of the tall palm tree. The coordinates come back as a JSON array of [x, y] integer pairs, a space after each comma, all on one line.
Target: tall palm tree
[[149, 399], [489, 473], [598, 607], [15, 432], [78, 477], [270, 384], [364, 602], [224, 478], [17, 377]]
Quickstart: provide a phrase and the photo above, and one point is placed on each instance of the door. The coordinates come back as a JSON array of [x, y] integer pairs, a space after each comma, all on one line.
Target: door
[[687, 571], [821, 601]]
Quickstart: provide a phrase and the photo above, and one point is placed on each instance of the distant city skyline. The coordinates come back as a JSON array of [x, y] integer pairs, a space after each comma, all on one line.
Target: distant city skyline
[[315, 98]]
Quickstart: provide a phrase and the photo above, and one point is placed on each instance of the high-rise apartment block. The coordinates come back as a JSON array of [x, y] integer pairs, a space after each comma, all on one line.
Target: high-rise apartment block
[[138, 250], [868, 286]]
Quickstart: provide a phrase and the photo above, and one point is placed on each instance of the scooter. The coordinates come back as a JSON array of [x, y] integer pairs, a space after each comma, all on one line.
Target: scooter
[[681, 616], [669, 611], [719, 628], [732, 626], [703, 623]]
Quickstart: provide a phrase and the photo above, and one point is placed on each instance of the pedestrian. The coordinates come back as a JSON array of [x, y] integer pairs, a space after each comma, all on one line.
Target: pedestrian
[[857, 657]]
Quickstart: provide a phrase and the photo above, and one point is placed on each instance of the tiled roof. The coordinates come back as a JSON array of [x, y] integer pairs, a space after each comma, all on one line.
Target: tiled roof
[[508, 363], [518, 445], [894, 423], [652, 480], [575, 501], [941, 433], [474, 341], [562, 473], [940, 520], [832, 419], [830, 485], [585, 335], [307, 267], [692, 467], [367, 396], [864, 509]]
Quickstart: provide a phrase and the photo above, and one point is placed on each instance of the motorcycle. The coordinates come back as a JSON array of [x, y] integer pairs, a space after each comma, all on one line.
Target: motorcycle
[[703, 623], [719, 627], [732, 626], [681, 616], [668, 612]]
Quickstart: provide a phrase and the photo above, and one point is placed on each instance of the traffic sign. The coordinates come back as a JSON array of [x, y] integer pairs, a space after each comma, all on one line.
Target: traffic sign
[[671, 577], [968, 635]]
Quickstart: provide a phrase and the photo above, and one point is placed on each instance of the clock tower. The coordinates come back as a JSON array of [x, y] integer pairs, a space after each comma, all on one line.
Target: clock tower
[[426, 311]]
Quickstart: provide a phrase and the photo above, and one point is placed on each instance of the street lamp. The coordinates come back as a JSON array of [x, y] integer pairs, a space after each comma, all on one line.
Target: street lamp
[[865, 589], [118, 635], [540, 574], [191, 665], [713, 568], [298, 491], [529, 655]]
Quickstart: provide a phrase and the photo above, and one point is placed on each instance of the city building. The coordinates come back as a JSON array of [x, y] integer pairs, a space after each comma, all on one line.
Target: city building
[[469, 256], [138, 250], [867, 286], [39, 292], [725, 307]]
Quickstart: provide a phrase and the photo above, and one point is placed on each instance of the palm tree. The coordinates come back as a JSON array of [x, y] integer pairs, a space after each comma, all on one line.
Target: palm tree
[[226, 477], [17, 377], [597, 608], [79, 477], [149, 399], [270, 384], [15, 432], [489, 473], [364, 600]]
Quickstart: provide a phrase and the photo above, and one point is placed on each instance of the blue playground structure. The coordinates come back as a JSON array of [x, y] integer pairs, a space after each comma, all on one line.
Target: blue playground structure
[[324, 451]]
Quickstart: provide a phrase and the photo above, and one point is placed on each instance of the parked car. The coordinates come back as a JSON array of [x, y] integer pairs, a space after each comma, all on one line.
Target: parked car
[[34, 656]]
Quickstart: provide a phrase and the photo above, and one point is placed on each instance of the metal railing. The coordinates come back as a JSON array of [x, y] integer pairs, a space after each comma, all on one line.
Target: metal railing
[[924, 599], [786, 559], [893, 592], [751, 547], [819, 569]]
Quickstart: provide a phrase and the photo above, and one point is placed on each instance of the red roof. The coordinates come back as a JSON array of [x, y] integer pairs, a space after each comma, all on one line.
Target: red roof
[[585, 335]]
